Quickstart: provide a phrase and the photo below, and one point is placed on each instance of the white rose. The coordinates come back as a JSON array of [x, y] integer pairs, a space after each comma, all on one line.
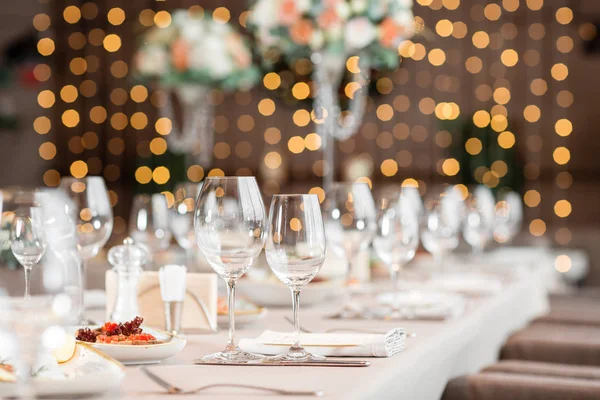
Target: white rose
[[264, 13], [334, 32], [405, 19], [303, 5], [180, 17], [317, 40], [343, 10], [359, 33], [359, 6], [404, 3], [152, 60], [216, 59], [196, 57], [193, 31]]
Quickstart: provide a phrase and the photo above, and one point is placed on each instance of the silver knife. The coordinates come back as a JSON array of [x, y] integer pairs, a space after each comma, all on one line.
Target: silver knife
[[263, 363]]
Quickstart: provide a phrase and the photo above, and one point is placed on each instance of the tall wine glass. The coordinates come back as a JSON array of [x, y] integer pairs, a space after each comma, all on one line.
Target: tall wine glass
[[93, 217], [509, 217], [231, 227], [397, 238], [295, 252], [182, 219], [149, 221], [477, 227], [441, 226], [38, 321], [28, 240], [350, 221]]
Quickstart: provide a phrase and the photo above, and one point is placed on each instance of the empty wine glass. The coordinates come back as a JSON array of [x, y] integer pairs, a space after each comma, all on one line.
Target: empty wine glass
[[28, 325], [441, 225], [397, 238], [350, 221], [28, 240], [477, 228], [92, 214], [182, 219], [149, 221], [509, 217], [295, 252], [231, 227]]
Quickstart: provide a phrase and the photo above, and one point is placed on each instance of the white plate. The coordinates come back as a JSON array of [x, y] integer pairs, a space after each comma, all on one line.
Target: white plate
[[89, 372], [144, 354], [242, 317], [276, 294]]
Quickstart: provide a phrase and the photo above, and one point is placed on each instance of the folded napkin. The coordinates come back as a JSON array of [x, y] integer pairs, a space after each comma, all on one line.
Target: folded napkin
[[329, 344]]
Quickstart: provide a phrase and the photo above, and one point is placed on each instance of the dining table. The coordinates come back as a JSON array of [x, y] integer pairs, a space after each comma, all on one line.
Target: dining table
[[438, 351]]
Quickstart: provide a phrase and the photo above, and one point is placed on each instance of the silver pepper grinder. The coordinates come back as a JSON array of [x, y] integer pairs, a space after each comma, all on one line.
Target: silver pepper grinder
[[127, 260]]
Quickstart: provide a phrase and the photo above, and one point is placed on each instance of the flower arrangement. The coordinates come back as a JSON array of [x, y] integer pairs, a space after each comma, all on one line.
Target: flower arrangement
[[196, 49], [297, 28]]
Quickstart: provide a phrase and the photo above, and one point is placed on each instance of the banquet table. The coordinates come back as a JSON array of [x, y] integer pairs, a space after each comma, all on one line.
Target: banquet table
[[440, 351]]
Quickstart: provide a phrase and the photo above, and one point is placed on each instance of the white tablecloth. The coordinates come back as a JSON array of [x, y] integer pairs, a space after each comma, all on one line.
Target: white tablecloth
[[441, 351]]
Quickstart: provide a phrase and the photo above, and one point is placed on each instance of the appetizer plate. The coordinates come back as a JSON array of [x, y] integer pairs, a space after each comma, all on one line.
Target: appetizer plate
[[142, 353], [275, 294], [88, 372], [246, 313]]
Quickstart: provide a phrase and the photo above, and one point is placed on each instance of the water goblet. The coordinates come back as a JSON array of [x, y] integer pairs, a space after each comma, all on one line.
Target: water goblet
[[440, 228], [182, 219], [231, 226], [149, 221], [397, 239], [90, 209], [28, 240], [509, 217], [295, 252]]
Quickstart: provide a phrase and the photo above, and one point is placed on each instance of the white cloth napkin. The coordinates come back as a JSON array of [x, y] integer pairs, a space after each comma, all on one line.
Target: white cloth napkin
[[418, 304], [329, 344]]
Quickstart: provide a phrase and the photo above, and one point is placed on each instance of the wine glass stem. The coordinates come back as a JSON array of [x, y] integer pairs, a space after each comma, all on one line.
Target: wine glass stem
[[231, 303], [296, 310], [83, 282], [27, 269], [394, 276]]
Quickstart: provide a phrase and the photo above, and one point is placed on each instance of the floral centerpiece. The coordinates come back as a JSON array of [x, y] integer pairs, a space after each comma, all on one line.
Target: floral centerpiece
[[329, 32], [187, 58]]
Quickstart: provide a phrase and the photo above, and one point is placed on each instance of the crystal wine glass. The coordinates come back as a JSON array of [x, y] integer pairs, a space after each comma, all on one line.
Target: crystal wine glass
[[28, 240], [477, 228], [37, 322], [441, 226], [231, 226], [397, 238], [182, 219], [509, 217], [149, 221], [93, 217], [295, 252], [350, 221]]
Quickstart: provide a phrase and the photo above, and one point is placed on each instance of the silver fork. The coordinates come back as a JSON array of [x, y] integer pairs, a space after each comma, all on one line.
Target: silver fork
[[302, 329], [175, 390]]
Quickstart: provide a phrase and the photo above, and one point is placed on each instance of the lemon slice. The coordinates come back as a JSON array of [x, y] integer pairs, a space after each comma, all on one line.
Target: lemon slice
[[66, 351], [7, 376]]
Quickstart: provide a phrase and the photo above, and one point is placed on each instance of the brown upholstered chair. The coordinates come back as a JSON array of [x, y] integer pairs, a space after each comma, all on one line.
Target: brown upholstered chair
[[503, 386], [545, 369], [555, 343], [582, 308]]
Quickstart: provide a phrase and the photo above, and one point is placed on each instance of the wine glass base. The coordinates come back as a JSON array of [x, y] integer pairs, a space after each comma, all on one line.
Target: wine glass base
[[295, 354], [233, 356]]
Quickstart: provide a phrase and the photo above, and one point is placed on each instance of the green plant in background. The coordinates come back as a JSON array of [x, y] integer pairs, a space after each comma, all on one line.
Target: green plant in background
[[8, 117], [483, 156]]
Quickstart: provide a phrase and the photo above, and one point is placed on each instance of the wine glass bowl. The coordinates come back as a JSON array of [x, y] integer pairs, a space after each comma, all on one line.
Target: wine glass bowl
[[28, 239], [350, 220], [509, 217], [149, 221], [182, 219], [440, 228], [295, 252], [230, 225]]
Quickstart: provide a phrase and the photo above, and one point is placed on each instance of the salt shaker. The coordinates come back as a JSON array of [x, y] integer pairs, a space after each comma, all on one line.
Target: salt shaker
[[172, 290], [127, 260]]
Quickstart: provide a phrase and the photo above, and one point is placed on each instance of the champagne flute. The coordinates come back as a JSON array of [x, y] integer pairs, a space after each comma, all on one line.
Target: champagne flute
[[182, 220], [28, 240], [351, 221], [230, 225], [397, 238], [149, 221], [92, 214], [295, 252]]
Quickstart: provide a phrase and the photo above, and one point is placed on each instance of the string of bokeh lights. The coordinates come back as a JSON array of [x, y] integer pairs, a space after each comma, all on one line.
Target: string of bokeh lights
[[484, 30]]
